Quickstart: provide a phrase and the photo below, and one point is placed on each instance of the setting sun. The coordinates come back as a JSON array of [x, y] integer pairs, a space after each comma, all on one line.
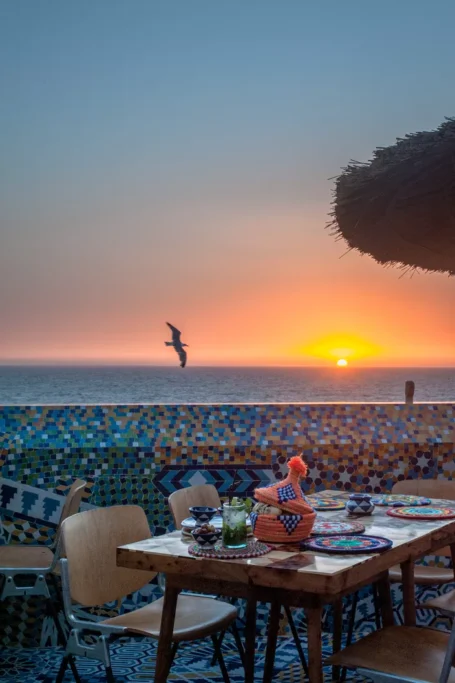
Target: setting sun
[[341, 348]]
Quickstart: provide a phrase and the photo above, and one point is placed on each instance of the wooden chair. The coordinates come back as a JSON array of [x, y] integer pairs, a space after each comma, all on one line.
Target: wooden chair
[[401, 654], [182, 499], [424, 576], [90, 577], [429, 488], [39, 562]]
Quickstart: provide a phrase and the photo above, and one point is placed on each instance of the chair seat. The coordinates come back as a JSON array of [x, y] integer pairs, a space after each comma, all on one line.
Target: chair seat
[[430, 576], [16, 556], [445, 603], [403, 651], [195, 618]]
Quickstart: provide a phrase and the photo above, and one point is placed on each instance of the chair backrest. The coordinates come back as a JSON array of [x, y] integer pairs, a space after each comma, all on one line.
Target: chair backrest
[[72, 501], [90, 541], [181, 500], [429, 488]]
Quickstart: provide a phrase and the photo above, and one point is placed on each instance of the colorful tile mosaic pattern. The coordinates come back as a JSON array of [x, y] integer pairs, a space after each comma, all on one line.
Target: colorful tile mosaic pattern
[[190, 426], [141, 454]]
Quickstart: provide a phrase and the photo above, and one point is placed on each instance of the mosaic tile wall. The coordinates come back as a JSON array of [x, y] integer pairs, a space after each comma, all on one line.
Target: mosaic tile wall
[[140, 454]]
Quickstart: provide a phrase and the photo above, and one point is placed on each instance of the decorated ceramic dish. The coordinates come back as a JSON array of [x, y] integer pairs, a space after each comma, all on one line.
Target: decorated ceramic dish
[[398, 500], [348, 544], [202, 513], [325, 504], [329, 528], [432, 512], [205, 539]]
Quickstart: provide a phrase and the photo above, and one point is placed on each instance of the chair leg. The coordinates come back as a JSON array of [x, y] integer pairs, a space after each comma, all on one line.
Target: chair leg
[[175, 647], [109, 675], [53, 612], [295, 635], [352, 616], [72, 664], [63, 667], [216, 645], [377, 607], [214, 658], [337, 634], [399, 617], [238, 642]]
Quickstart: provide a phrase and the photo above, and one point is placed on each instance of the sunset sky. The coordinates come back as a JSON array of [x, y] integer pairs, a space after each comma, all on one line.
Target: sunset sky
[[169, 160]]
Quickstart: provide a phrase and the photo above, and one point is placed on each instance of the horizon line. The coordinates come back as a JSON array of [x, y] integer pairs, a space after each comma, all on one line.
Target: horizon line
[[89, 363]]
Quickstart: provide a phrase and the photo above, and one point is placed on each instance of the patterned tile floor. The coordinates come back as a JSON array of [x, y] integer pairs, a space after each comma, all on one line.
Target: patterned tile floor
[[134, 662]]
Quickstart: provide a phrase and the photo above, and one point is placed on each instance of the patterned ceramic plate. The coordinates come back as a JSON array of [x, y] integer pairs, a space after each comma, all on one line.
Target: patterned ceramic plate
[[348, 544], [397, 500], [219, 552], [327, 504], [189, 523], [326, 528], [423, 512]]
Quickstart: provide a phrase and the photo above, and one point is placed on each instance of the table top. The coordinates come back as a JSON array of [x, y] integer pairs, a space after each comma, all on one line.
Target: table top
[[287, 567]]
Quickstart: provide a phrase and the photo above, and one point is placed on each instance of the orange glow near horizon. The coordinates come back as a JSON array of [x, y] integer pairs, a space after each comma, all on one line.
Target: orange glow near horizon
[[252, 304], [343, 346]]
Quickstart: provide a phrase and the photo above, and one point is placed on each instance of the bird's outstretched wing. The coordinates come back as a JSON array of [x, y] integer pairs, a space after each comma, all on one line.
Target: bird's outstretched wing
[[182, 356], [175, 333]]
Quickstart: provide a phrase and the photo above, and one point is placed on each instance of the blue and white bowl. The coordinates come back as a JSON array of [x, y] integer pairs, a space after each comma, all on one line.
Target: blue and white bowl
[[202, 513], [206, 539], [359, 504]]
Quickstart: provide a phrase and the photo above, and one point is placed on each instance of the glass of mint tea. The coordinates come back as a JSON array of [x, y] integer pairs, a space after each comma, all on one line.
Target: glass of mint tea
[[234, 524]]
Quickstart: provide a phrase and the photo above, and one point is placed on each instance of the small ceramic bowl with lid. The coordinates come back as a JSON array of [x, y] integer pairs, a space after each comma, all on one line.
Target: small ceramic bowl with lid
[[359, 504]]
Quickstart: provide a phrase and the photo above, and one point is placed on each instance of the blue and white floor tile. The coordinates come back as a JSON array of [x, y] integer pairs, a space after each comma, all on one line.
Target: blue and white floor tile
[[134, 662]]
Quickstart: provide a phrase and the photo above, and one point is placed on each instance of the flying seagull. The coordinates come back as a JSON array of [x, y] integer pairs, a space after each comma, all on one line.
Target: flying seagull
[[177, 344]]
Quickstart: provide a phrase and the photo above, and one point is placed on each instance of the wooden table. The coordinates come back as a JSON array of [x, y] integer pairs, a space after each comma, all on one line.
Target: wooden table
[[288, 576]]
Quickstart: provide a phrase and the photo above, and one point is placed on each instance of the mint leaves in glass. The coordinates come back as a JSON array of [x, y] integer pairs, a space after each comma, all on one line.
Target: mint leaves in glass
[[234, 524]]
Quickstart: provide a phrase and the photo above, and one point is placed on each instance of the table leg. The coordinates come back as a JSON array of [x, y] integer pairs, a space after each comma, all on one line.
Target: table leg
[[164, 653], [250, 638], [314, 626], [385, 600], [409, 605], [337, 634], [274, 624]]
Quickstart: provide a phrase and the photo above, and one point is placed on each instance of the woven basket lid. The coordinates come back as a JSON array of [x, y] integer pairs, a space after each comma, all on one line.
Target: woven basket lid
[[287, 494]]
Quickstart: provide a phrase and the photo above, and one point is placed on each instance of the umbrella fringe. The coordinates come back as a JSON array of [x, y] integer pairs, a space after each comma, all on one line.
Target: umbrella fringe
[[399, 207]]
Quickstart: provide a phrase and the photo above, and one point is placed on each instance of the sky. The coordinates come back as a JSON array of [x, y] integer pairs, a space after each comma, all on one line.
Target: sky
[[165, 160]]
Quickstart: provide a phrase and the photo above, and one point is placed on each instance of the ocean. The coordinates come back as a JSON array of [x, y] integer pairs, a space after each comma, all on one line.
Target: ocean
[[32, 385]]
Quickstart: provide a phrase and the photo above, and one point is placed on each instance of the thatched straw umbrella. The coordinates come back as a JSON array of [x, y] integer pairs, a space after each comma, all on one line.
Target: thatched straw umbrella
[[400, 207]]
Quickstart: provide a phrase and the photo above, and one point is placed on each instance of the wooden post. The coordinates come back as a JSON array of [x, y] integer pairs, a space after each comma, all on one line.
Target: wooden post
[[250, 636], [409, 389], [314, 630], [409, 604], [385, 598], [164, 652], [274, 624]]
